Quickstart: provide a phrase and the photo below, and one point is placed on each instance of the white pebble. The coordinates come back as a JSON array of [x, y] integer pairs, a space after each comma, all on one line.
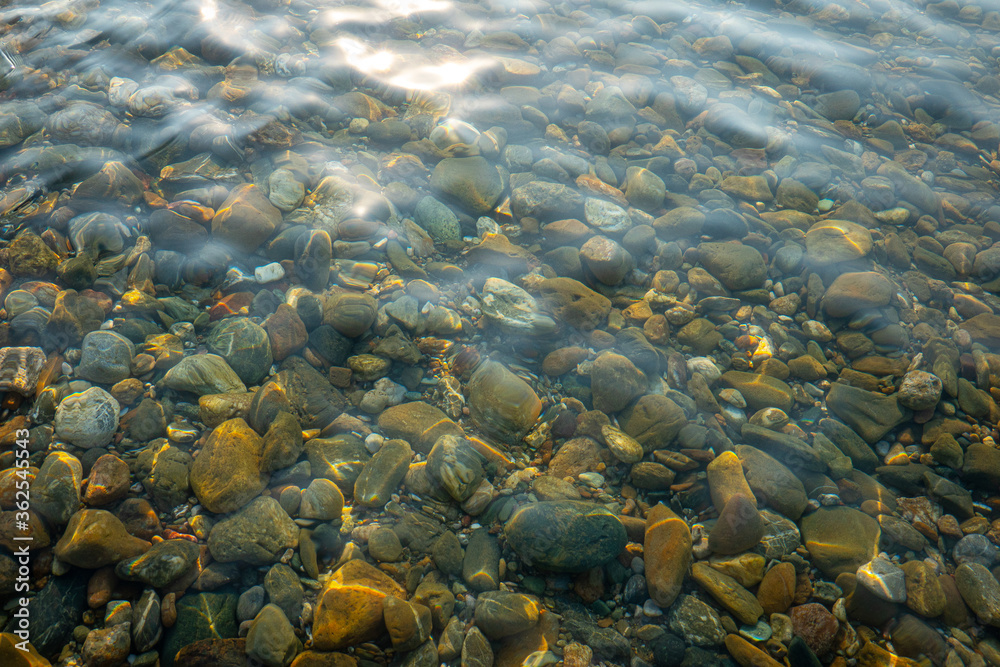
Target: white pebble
[[593, 479], [374, 442], [269, 273], [651, 609]]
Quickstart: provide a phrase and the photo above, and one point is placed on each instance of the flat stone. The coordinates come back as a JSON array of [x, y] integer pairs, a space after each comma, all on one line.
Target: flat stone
[[852, 292], [162, 564], [246, 219], [500, 614], [472, 181], [382, 474], [772, 482], [760, 391], [419, 423], [737, 266], [696, 621], [870, 414], [794, 452], [106, 357], [737, 600], [55, 491], [981, 591], [840, 539], [503, 405], [226, 475], [271, 640], [245, 346], [834, 241], [301, 390], [738, 528], [95, 538], [615, 381], [203, 616], [258, 534], [203, 374], [87, 419]]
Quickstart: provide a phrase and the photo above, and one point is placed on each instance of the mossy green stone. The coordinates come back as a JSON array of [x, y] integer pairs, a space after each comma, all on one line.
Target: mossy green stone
[[565, 535]]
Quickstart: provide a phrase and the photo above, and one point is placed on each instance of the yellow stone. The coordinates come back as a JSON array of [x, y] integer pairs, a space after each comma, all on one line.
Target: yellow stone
[[349, 610], [11, 654], [667, 549], [726, 479]]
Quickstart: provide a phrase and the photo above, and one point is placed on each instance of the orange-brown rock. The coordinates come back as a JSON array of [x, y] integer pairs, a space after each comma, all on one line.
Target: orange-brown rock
[[667, 549], [349, 609], [95, 538], [286, 332], [13, 656], [777, 589], [747, 654], [726, 479]]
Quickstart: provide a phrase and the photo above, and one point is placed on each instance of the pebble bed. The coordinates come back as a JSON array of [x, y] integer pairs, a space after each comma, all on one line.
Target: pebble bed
[[637, 333]]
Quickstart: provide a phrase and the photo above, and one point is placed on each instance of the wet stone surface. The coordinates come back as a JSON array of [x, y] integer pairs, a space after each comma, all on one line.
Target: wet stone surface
[[483, 334]]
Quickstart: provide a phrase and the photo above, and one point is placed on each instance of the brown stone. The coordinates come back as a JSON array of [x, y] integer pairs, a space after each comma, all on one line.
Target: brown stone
[[245, 219], [667, 550], [747, 654], [924, 593], [349, 609], [777, 589], [226, 474], [816, 626], [286, 332], [95, 538]]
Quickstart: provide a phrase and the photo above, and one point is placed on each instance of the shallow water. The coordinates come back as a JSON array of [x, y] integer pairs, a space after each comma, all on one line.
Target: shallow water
[[662, 319]]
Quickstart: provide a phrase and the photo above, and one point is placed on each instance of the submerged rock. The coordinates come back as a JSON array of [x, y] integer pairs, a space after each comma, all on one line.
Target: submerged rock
[[565, 536]]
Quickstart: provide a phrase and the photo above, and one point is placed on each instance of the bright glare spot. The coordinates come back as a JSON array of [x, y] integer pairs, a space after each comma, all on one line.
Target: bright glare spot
[[360, 56], [433, 77], [209, 10], [407, 7]]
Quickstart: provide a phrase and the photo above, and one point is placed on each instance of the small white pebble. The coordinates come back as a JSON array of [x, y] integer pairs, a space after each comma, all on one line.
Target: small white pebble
[[269, 273], [373, 442], [651, 609]]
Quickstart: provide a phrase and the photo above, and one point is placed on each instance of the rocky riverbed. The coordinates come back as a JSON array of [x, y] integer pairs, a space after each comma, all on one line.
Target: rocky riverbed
[[617, 333]]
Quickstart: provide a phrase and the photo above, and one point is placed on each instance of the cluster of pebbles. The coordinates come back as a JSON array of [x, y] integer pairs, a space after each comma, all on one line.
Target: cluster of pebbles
[[629, 333]]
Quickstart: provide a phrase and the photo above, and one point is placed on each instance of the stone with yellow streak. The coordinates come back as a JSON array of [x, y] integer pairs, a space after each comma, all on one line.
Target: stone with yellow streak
[[95, 538], [872, 655], [515, 649], [726, 479], [840, 539], [350, 608], [740, 602], [747, 654], [227, 475]]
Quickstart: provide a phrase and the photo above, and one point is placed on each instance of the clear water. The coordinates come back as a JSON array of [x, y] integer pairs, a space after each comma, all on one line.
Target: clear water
[[152, 113]]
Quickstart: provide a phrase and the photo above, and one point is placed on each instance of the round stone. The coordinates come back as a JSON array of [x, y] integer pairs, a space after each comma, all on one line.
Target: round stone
[[565, 535], [245, 347], [919, 390], [88, 418], [625, 448], [834, 241]]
